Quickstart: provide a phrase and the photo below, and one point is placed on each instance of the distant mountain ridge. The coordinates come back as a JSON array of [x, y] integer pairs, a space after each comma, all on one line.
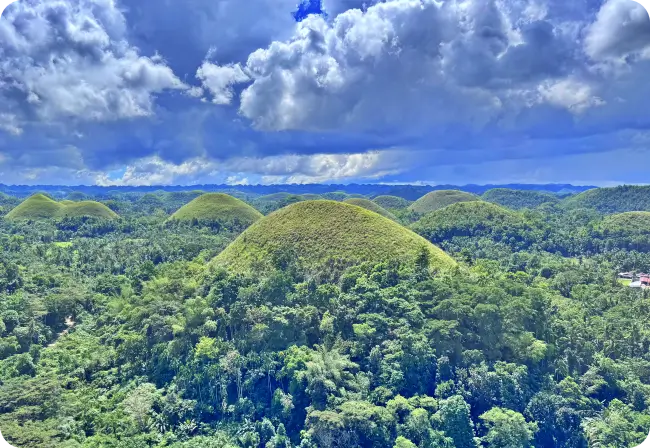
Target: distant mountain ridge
[[406, 191]]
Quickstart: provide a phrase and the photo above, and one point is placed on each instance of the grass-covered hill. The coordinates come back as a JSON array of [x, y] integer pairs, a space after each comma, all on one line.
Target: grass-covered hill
[[311, 196], [626, 224], [217, 208], [438, 199], [392, 202], [87, 208], [40, 206], [275, 197], [627, 198], [471, 219], [320, 231], [519, 199], [369, 205]]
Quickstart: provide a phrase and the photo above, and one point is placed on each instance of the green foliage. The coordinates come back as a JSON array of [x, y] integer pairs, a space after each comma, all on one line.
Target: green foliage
[[627, 198], [219, 208], [318, 232], [439, 199], [519, 199], [121, 333], [473, 219], [370, 205]]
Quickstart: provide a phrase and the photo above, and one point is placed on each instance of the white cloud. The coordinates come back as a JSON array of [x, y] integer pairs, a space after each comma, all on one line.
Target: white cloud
[[219, 80], [69, 59], [621, 28], [406, 64], [267, 170], [570, 94], [9, 123]]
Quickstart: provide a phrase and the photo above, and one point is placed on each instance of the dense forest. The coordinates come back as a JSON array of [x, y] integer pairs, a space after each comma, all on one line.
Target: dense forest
[[133, 319]]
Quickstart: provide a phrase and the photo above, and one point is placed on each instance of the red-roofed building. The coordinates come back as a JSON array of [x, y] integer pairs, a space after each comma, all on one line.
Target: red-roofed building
[[645, 281]]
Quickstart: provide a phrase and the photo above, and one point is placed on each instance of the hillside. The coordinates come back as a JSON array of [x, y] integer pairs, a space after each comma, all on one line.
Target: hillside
[[470, 219], [519, 199], [217, 208], [438, 199], [40, 206], [275, 197], [369, 205], [627, 224], [391, 202], [318, 231], [86, 208], [622, 199]]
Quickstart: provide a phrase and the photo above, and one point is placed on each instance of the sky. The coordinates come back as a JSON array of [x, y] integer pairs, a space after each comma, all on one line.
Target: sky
[[161, 92]]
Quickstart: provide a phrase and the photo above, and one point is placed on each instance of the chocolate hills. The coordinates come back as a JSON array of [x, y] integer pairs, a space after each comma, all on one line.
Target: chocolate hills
[[438, 199], [323, 231], [217, 208]]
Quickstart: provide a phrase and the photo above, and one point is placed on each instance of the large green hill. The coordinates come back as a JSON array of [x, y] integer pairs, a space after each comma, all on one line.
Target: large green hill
[[438, 199], [519, 199], [319, 231], [369, 205], [40, 206], [218, 208], [470, 219], [626, 224], [391, 202], [627, 198]]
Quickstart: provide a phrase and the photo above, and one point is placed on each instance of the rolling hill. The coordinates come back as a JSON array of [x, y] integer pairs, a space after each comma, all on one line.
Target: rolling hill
[[519, 199], [320, 231], [369, 205], [438, 199], [627, 198], [626, 224], [217, 208], [40, 206], [470, 219], [391, 202]]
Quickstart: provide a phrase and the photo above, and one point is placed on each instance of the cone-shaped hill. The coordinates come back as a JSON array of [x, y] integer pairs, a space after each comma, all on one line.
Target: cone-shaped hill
[[319, 231], [391, 202], [474, 219], [626, 198], [518, 199], [626, 224], [369, 205], [218, 208], [438, 199], [40, 206]]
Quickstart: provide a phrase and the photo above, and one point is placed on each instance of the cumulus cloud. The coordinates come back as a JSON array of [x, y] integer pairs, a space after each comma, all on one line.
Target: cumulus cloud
[[621, 29], [453, 85], [69, 59], [410, 64], [219, 80]]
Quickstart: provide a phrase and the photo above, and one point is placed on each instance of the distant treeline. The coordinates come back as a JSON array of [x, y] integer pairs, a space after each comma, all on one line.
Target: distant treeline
[[410, 192]]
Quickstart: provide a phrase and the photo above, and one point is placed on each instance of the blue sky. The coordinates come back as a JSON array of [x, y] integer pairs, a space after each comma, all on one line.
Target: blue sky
[[138, 92]]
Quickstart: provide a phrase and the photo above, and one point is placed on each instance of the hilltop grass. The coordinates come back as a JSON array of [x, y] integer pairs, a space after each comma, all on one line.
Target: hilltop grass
[[40, 206], [626, 198], [87, 208], [318, 232], [276, 197], [519, 199], [217, 208], [470, 219], [439, 199], [392, 202], [626, 224], [369, 205]]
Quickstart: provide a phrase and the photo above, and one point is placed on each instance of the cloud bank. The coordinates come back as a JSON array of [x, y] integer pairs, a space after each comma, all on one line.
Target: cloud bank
[[473, 91]]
